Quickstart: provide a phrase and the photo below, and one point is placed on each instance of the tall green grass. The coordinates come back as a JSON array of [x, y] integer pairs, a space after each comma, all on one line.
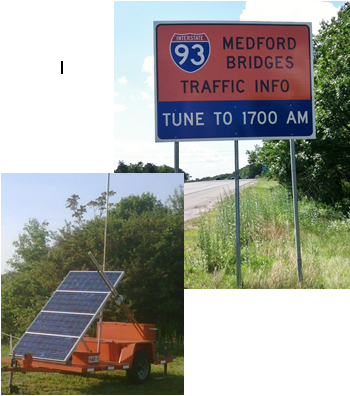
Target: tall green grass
[[268, 256]]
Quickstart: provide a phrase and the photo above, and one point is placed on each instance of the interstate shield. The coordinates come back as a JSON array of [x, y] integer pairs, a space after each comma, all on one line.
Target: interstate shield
[[190, 51]]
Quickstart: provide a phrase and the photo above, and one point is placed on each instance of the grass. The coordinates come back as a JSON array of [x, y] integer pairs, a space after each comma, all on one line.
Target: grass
[[268, 254], [99, 383]]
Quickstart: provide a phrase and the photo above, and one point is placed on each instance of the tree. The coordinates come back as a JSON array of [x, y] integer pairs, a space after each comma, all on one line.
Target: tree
[[148, 168], [136, 168], [136, 205], [26, 289], [78, 210], [323, 164], [32, 246], [122, 168], [168, 169], [254, 168], [253, 155], [165, 169], [176, 202], [99, 204]]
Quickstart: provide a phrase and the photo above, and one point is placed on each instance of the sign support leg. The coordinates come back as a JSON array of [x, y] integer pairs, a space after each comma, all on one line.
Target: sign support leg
[[238, 237], [176, 157], [295, 208]]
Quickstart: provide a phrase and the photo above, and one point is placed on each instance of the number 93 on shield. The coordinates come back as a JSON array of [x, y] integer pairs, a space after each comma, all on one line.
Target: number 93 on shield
[[190, 51]]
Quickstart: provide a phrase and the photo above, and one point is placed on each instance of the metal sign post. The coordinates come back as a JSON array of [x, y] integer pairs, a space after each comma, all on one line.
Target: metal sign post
[[295, 208], [176, 157], [238, 235]]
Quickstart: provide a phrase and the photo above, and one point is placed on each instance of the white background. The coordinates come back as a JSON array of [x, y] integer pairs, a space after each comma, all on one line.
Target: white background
[[267, 342], [236, 342], [52, 122]]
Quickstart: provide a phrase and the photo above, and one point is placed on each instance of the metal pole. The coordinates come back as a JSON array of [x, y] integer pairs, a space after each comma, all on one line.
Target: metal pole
[[115, 294], [13, 362], [295, 208], [106, 222], [176, 157], [238, 236], [104, 262]]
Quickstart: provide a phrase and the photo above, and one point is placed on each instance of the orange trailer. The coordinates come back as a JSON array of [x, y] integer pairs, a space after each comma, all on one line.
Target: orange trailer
[[122, 347], [57, 340]]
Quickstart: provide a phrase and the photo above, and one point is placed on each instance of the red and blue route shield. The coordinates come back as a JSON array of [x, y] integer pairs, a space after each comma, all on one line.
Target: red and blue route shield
[[190, 51]]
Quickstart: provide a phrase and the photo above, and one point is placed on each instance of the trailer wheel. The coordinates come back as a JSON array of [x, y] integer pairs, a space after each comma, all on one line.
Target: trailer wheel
[[141, 368]]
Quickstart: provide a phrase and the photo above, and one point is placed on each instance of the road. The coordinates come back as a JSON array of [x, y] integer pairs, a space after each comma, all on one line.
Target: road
[[202, 196]]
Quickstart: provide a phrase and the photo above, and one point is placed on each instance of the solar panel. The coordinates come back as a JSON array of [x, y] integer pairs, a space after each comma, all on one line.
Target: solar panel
[[75, 302], [61, 324], [45, 347], [88, 281]]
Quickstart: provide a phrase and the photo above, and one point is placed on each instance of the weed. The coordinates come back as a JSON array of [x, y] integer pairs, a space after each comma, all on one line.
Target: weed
[[268, 254]]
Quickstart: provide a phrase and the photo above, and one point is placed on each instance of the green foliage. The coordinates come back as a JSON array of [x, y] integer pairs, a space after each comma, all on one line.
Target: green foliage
[[78, 211], [217, 233], [32, 245], [176, 202], [99, 204], [148, 168], [253, 155], [254, 168], [323, 164], [145, 239], [136, 205], [267, 243], [251, 170]]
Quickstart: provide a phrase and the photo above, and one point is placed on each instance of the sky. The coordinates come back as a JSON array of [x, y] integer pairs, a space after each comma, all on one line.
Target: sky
[[134, 126], [43, 196]]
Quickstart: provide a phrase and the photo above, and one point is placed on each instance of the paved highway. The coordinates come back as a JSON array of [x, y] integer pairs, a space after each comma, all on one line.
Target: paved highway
[[202, 196]]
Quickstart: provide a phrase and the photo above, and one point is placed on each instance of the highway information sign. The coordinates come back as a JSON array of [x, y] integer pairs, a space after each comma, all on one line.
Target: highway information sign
[[233, 80]]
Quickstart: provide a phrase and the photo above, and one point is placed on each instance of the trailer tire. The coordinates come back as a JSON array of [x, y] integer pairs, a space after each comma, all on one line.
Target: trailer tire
[[141, 368]]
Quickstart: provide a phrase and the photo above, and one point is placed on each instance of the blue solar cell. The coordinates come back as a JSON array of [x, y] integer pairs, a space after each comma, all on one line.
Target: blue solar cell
[[75, 302], [89, 281], [45, 347], [80, 305], [63, 324]]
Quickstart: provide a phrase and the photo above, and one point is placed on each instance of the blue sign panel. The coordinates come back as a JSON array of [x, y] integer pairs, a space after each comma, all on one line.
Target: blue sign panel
[[237, 120]]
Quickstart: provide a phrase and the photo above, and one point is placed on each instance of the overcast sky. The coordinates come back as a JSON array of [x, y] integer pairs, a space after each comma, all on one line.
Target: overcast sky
[[134, 79]]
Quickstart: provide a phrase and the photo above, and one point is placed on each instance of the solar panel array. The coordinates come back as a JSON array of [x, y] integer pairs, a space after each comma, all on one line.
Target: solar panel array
[[61, 324]]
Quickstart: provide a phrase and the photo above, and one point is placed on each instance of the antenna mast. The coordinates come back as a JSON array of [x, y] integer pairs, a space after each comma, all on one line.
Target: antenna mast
[[106, 222], [104, 260]]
